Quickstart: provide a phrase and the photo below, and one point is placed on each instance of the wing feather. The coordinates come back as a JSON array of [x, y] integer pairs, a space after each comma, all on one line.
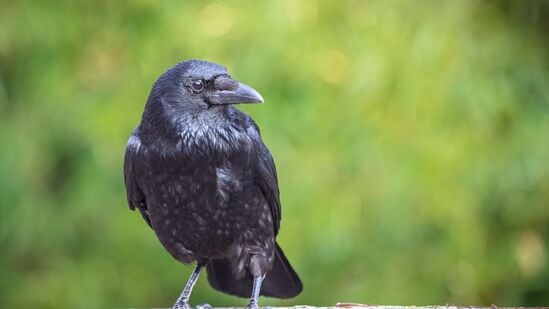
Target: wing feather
[[267, 178], [136, 197]]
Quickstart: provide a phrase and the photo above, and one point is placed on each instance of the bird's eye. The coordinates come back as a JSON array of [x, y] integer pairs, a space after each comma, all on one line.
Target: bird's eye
[[197, 85]]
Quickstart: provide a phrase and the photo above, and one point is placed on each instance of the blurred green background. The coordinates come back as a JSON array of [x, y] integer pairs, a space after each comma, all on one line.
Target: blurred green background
[[411, 139]]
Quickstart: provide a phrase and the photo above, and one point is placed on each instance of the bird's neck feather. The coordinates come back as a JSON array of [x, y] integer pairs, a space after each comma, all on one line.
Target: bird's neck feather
[[167, 122]]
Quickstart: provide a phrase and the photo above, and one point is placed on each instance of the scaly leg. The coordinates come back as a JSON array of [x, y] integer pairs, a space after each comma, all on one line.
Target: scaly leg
[[255, 293], [183, 300]]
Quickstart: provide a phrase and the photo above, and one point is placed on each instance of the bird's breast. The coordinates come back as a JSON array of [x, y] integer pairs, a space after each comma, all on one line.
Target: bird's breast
[[193, 197]]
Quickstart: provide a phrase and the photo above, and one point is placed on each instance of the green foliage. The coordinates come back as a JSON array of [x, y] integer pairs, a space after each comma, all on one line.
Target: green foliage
[[411, 138]]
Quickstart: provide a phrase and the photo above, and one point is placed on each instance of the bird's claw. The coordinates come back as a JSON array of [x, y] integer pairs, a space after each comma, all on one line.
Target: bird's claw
[[181, 306], [186, 306], [252, 306]]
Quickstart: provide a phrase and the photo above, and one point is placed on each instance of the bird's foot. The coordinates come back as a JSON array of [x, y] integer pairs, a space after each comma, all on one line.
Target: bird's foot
[[185, 305], [181, 305], [252, 305]]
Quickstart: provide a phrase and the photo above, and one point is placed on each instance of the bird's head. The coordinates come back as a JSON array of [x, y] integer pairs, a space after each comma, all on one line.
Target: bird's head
[[196, 85]]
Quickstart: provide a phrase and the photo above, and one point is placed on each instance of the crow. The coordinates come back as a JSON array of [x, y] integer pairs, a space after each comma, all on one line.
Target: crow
[[204, 181]]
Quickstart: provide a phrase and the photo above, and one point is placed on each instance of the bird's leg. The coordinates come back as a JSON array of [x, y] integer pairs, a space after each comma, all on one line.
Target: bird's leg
[[255, 292], [183, 300]]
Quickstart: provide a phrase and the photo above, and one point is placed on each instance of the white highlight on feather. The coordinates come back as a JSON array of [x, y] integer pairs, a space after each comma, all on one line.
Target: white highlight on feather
[[134, 142], [224, 179]]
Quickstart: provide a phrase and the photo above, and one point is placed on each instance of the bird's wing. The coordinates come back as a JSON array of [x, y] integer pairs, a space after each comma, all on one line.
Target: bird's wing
[[268, 180], [136, 197]]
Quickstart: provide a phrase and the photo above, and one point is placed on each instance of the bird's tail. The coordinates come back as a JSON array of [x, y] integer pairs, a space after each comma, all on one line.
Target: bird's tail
[[281, 282]]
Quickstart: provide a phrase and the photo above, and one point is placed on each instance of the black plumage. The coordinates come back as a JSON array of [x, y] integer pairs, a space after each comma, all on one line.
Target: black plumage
[[201, 177]]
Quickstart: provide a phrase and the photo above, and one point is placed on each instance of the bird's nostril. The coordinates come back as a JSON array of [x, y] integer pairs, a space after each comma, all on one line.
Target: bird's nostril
[[225, 83]]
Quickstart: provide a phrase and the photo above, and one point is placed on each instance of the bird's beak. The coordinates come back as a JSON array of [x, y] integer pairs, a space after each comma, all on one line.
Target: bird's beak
[[229, 91]]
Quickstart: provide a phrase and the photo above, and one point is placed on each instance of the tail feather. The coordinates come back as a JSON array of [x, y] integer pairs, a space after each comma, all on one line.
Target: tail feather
[[281, 282]]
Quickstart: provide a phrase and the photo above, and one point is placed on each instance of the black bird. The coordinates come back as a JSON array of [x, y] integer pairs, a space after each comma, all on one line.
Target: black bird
[[201, 177]]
